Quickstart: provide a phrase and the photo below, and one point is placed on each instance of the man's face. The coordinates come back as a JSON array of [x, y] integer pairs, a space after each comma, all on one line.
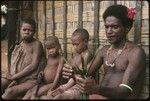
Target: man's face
[[78, 43], [115, 32], [26, 31]]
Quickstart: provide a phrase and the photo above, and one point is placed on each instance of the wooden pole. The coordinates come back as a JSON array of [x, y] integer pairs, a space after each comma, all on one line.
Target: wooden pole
[[96, 25], [137, 23], [65, 28], [53, 18], [80, 14], [45, 20], [12, 27]]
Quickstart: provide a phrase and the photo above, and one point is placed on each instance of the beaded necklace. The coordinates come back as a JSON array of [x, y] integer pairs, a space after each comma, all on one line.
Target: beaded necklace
[[118, 54]]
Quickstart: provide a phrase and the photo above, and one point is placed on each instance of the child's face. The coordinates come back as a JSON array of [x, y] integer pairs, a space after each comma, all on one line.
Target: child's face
[[78, 44], [53, 50], [26, 31]]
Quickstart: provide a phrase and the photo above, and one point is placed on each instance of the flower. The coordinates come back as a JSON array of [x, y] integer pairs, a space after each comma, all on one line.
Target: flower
[[131, 13]]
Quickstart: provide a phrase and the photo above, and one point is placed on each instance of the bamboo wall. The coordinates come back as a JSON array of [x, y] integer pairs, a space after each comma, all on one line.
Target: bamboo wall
[[52, 17]]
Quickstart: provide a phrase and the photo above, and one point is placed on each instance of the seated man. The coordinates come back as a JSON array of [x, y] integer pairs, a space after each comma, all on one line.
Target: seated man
[[51, 75], [124, 62], [26, 59]]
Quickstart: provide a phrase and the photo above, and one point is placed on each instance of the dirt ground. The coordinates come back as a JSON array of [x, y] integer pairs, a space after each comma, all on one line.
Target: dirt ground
[[4, 53]]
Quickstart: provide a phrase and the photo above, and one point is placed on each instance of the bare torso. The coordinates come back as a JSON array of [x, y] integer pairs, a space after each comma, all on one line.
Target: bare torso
[[113, 76], [51, 69]]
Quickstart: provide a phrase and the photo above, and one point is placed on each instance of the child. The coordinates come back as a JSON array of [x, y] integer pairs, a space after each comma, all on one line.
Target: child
[[52, 71], [26, 59], [70, 90]]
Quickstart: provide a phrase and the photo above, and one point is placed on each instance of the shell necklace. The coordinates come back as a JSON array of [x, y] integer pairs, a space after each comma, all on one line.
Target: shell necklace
[[118, 54]]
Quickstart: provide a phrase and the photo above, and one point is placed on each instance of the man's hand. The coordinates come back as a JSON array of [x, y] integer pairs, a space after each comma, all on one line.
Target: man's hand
[[67, 71], [86, 84]]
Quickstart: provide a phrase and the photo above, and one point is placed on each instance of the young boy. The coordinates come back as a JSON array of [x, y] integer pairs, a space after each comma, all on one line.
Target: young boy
[[51, 74], [26, 59], [70, 90]]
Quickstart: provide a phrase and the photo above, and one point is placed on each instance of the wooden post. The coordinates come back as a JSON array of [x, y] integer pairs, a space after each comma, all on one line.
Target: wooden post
[[65, 28], [80, 14], [96, 25], [53, 17], [96, 31], [36, 18], [45, 20], [137, 23], [12, 27]]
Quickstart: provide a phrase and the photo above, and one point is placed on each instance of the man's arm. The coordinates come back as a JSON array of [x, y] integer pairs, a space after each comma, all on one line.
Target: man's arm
[[96, 62], [37, 53]]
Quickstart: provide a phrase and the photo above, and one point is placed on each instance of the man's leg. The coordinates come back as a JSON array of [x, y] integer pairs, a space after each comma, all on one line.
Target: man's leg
[[18, 90]]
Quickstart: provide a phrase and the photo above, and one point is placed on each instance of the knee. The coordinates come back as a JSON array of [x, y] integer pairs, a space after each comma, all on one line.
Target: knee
[[9, 91], [60, 96]]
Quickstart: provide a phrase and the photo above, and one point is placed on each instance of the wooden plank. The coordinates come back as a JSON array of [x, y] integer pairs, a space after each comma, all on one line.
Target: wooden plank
[[137, 23]]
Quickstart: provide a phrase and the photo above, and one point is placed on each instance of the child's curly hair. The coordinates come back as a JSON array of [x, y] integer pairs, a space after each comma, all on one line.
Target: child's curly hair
[[51, 40]]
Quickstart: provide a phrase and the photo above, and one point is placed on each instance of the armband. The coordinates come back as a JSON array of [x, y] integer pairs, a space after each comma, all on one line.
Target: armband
[[124, 85]]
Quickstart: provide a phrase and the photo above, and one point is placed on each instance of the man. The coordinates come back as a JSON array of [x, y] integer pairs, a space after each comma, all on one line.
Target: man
[[25, 60], [123, 61]]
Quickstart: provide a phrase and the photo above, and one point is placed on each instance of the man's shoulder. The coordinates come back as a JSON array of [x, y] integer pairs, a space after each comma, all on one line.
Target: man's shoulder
[[136, 49], [103, 48]]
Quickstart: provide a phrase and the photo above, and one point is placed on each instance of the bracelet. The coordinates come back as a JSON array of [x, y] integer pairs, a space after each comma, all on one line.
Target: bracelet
[[124, 85]]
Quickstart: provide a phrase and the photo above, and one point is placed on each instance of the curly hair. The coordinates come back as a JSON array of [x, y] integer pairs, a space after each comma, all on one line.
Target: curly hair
[[120, 12], [51, 40]]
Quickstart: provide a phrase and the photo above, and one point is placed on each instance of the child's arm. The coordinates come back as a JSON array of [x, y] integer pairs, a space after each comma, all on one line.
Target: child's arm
[[58, 73], [68, 85]]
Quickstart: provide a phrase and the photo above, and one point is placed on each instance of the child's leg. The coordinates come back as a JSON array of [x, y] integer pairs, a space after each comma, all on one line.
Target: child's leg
[[42, 90], [19, 89], [29, 93], [69, 94], [4, 83]]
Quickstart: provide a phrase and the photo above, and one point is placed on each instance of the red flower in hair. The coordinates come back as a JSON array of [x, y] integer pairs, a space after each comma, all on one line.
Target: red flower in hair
[[131, 13]]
